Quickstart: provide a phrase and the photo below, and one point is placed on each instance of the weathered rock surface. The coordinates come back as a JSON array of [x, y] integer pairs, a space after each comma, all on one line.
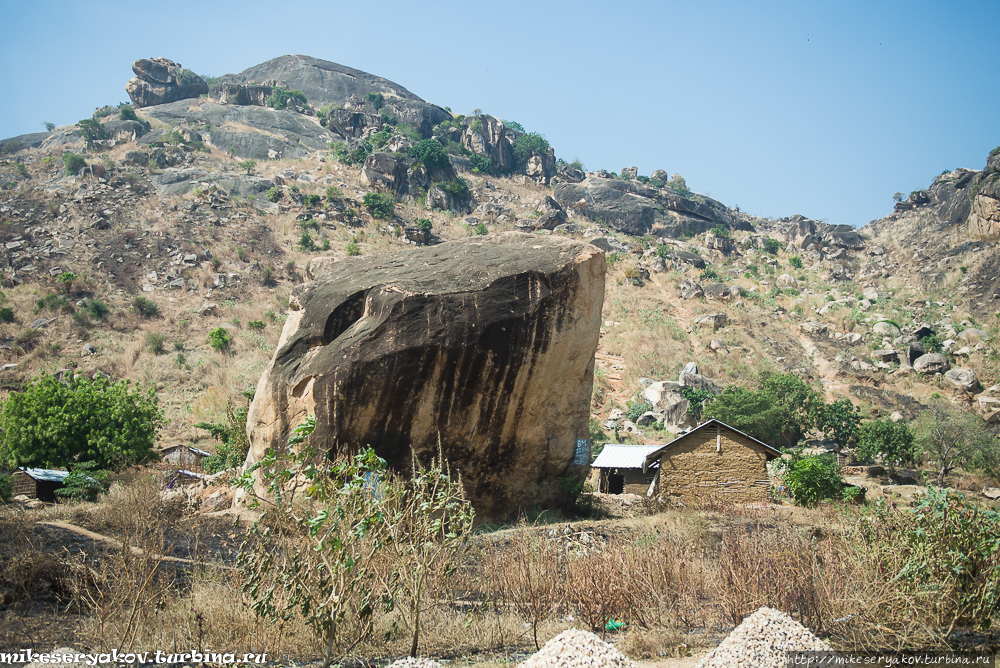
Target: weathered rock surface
[[465, 339], [931, 363], [160, 81], [257, 133]]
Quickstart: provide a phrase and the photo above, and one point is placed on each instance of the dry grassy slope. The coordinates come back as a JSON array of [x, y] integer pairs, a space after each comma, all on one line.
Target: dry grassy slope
[[114, 231]]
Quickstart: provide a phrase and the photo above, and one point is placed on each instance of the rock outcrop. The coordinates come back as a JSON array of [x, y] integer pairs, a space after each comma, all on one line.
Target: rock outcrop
[[159, 81], [486, 343]]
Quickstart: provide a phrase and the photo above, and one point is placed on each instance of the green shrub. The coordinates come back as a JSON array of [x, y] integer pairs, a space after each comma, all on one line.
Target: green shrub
[[380, 138], [353, 248], [96, 309], [234, 444], [662, 250], [527, 144], [481, 229], [379, 205], [147, 308], [306, 242], [256, 325], [249, 165], [6, 487], [274, 194], [377, 100], [430, 153], [220, 339], [6, 314], [333, 193], [772, 246], [74, 163], [892, 442], [457, 187], [278, 99], [696, 399], [810, 479], [656, 183], [932, 343], [424, 224], [795, 261], [54, 302], [156, 341], [840, 421], [514, 125], [636, 409], [310, 224], [83, 483], [480, 163], [127, 113], [54, 423], [709, 274], [722, 232]]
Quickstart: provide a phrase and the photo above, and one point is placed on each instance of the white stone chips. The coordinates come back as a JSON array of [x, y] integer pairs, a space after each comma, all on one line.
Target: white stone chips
[[761, 641], [415, 662], [574, 648]]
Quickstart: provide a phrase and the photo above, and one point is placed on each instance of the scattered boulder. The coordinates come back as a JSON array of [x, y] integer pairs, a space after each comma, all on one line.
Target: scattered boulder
[[786, 281], [714, 320], [973, 336], [931, 363], [963, 378], [885, 355], [718, 291], [609, 245], [160, 81], [462, 342], [690, 289], [885, 328], [687, 257], [915, 351], [813, 327]]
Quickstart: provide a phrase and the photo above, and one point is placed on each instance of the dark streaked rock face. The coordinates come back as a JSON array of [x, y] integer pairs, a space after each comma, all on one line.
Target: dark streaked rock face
[[486, 343]]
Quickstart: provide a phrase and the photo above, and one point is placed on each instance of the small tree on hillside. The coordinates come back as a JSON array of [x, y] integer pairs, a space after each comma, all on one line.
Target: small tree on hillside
[[951, 438]]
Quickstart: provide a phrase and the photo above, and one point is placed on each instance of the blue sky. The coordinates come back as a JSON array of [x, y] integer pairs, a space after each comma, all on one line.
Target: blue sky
[[819, 108]]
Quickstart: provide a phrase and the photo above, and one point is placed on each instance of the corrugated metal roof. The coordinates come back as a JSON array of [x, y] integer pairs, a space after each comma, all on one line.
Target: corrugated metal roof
[[48, 475], [615, 456], [189, 447]]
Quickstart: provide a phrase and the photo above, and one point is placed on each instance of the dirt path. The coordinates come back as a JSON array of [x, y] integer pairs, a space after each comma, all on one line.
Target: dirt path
[[832, 388], [135, 550]]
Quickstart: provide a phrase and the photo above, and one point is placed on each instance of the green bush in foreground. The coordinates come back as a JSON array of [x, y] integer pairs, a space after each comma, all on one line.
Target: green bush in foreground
[[84, 483], [220, 339], [379, 205], [55, 423], [74, 163], [811, 479]]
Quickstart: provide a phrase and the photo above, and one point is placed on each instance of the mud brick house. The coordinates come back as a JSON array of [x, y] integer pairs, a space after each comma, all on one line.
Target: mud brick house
[[38, 484], [712, 462], [183, 456], [620, 469]]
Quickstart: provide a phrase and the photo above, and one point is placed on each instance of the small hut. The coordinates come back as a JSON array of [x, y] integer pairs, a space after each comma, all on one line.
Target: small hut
[[621, 469], [713, 462], [183, 456], [38, 484], [181, 478]]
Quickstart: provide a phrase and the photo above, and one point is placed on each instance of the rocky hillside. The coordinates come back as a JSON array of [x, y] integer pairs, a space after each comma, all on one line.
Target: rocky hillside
[[125, 245]]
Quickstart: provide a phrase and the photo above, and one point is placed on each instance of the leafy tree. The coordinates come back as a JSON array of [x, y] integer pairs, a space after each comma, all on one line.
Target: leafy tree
[[480, 163], [49, 127], [795, 261], [84, 483], [67, 278], [772, 246], [430, 153], [529, 143], [220, 339], [379, 205], [950, 438], [91, 130], [722, 232], [890, 441], [457, 187], [840, 421], [145, 307], [127, 113], [377, 100], [249, 165], [57, 423], [780, 410], [424, 225], [696, 397], [333, 193], [897, 197]]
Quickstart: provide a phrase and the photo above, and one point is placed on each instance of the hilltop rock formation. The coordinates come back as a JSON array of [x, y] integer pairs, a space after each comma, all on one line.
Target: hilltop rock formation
[[159, 81], [638, 209], [486, 343]]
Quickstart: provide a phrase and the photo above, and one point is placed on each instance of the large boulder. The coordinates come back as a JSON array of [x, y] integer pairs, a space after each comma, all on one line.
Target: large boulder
[[159, 81], [463, 342], [931, 363]]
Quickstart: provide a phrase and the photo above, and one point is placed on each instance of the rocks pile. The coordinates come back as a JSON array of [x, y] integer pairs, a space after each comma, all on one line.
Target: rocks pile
[[415, 662], [762, 641], [574, 648]]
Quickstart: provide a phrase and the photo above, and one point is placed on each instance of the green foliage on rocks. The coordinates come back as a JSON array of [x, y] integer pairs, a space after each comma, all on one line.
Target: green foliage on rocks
[[91, 130], [379, 205], [430, 153], [232, 435], [278, 99], [529, 143], [74, 163], [127, 113], [57, 423]]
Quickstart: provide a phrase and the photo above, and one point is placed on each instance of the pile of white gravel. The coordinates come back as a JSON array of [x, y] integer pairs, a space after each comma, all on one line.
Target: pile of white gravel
[[761, 641], [415, 662], [574, 648]]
